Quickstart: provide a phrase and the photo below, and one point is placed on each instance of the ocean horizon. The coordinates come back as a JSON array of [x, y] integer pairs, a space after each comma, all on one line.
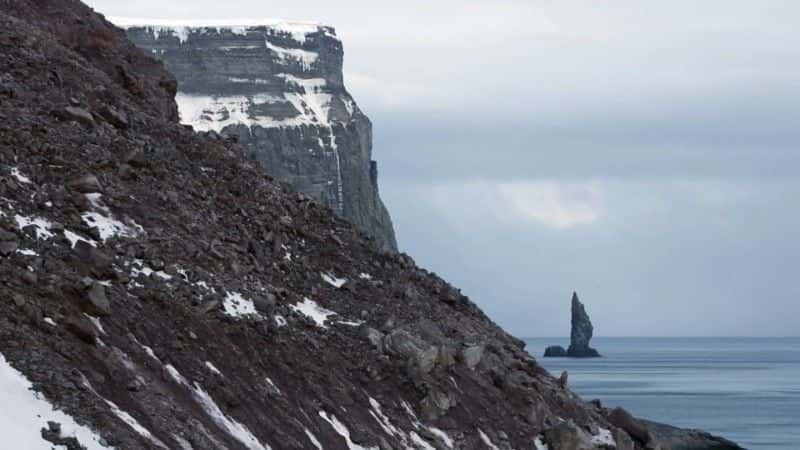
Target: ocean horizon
[[746, 389]]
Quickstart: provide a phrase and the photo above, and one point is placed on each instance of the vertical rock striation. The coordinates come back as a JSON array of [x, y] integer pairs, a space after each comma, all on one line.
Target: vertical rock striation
[[279, 88]]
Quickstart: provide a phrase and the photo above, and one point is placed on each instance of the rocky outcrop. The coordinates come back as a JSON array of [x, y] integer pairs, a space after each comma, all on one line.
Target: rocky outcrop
[[669, 437], [278, 88], [555, 351], [236, 314], [580, 335], [581, 332]]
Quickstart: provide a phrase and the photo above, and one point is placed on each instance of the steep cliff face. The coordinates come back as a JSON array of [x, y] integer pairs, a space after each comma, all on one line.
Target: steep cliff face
[[279, 88]]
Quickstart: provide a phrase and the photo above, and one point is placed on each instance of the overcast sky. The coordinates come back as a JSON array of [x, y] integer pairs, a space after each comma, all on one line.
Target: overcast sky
[[645, 154]]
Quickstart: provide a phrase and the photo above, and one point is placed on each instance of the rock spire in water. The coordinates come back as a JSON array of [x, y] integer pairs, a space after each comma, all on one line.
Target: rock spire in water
[[581, 332], [580, 335]]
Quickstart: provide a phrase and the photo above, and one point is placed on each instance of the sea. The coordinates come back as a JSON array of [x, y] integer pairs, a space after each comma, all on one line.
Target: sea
[[744, 389]]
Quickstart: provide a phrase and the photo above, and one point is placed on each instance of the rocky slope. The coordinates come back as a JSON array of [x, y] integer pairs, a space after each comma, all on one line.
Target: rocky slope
[[279, 88], [162, 291]]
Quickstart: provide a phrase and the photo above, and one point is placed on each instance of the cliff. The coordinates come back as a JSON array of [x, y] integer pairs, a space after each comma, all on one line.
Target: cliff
[[161, 290], [279, 88]]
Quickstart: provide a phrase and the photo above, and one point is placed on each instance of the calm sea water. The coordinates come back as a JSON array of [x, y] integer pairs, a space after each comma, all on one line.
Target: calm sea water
[[745, 389]]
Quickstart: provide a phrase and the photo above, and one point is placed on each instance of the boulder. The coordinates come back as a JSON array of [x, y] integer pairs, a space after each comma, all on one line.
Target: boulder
[[420, 355], [436, 404], [555, 351], [97, 303], [82, 328], [567, 436], [668, 437], [7, 235], [77, 114], [85, 184], [53, 435], [114, 117], [621, 418], [623, 439], [563, 379], [209, 306], [8, 247], [265, 304], [94, 259], [472, 355], [374, 337]]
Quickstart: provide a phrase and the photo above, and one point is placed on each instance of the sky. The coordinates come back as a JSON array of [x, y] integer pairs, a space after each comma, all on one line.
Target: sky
[[645, 154]]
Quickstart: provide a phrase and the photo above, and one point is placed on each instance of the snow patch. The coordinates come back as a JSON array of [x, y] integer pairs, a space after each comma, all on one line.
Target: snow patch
[[227, 424], [109, 227], [74, 238], [173, 372], [94, 199], [365, 276], [27, 252], [96, 322], [274, 386], [25, 413], [237, 306], [312, 310], [150, 352], [142, 269], [340, 428], [380, 417], [313, 439], [411, 413], [442, 435], [212, 368], [486, 440], [42, 225], [333, 281], [185, 445], [19, 176], [304, 57], [249, 80], [204, 285], [214, 113], [297, 30], [134, 424], [418, 425], [234, 428], [539, 445], [280, 320], [419, 442], [604, 437], [50, 321]]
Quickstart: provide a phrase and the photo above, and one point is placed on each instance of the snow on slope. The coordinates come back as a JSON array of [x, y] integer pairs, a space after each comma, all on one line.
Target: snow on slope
[[214, 113], [24, 413]]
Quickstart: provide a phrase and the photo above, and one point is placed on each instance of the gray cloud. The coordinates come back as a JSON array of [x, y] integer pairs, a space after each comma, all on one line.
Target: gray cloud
[[643, 153]]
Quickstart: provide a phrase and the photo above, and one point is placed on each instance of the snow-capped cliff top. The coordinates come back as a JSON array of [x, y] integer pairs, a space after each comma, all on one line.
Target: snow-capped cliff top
[[297, 29]]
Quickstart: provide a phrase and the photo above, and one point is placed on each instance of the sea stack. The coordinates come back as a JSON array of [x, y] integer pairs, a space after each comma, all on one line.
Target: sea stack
[[580, 335]]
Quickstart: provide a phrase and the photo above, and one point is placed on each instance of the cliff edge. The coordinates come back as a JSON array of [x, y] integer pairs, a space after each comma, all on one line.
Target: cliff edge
[[278, 87]]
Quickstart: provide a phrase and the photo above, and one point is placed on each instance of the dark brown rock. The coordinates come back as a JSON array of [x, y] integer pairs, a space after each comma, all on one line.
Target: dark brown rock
[[621, 418], [85, 184], [76, 114], [82, 328], [96, 301], [8, 247]]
